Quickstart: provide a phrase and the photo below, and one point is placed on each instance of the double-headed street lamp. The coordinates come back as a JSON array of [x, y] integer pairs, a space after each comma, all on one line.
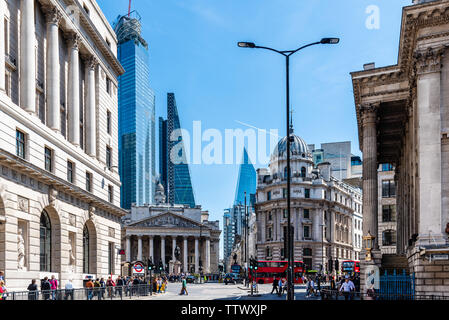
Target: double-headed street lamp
[[287, 54]]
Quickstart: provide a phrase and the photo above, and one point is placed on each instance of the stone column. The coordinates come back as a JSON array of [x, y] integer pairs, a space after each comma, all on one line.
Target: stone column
[[151, 248], [53, 69], [163, 250], [207, 256], [186, 245], [370, 201], [74, 90], [27, 57], [197, 258], [128, 248], [428, 66], [2, 46], [139, 248], [91, 123]]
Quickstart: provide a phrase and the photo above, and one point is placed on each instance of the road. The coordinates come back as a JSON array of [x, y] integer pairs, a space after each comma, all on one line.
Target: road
[[220, 291]]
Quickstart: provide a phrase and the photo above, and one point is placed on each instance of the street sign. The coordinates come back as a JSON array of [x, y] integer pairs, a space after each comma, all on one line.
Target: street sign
[[138, 268], [440, 257]]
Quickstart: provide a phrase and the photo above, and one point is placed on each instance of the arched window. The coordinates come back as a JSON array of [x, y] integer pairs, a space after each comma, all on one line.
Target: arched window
[[45, 242], [303, 172], [86, 251]]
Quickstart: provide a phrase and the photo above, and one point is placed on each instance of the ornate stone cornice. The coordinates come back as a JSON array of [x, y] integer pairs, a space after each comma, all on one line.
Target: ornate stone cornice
[[52, 15], [429, 60]]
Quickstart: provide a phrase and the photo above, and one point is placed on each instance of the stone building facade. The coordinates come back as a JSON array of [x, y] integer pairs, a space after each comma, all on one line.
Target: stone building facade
[[324, 210], [403, 119], [387, 217], [59, 188], [180, 237]]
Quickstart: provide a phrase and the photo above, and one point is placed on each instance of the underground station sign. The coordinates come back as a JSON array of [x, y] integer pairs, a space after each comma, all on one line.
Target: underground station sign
[[138, 268]]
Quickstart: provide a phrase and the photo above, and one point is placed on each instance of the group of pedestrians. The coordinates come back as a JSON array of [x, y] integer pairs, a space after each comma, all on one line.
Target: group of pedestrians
[[279, 286]]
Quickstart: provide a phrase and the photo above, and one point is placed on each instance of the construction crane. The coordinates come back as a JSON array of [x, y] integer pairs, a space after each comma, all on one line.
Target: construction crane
[[129, 8]]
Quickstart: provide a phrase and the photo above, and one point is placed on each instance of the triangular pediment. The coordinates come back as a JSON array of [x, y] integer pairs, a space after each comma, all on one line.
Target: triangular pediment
[[167, 220]]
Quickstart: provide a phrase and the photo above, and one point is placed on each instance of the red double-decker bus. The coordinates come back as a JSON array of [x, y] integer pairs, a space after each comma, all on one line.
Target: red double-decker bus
[[350, 267], [267, 270]]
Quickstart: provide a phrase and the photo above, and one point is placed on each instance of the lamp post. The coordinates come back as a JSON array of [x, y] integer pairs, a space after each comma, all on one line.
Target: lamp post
[[287, 54], [246, 243]]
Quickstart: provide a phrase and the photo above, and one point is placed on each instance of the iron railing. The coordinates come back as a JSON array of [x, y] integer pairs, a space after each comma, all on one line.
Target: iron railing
[[327, 294], [102, 293]]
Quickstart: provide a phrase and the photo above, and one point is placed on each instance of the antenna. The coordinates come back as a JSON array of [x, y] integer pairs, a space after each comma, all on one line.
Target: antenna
[[129, 8], [291, 121]]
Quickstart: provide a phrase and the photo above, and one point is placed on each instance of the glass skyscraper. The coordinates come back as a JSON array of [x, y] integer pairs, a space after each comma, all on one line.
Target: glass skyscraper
[[175, 177], [136, 115]]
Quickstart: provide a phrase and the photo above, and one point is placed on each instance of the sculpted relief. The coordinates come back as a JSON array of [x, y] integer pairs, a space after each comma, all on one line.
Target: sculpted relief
[[168, 221]]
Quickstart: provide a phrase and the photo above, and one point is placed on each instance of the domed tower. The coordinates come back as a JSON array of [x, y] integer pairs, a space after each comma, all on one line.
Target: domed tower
[[159, 196], [301, 161]]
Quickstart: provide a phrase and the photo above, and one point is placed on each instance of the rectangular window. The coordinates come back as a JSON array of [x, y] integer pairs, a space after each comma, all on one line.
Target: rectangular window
[[306, 214], [284, 214], [88, 181], [86, 9], [270, 234], [389, 213], [108, 85], [111, 194], [270, 216], [70, 171], [111, 265], [307, 193], [284, 193], [48, 155], [108, 123], [108, 158], [388, 189], [269, 195], [306, 232], [20, 144]]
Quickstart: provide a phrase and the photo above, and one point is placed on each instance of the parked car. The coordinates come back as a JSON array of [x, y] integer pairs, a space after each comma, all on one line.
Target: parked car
[[233, 278], [190, 279]]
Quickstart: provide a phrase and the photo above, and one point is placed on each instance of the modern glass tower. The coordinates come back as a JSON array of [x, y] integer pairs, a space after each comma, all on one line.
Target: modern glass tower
[[136, 115], [246, 181], [174, 176]]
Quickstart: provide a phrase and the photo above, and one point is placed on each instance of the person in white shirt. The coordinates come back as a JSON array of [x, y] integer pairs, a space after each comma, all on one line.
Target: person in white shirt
[[69, 290], [347, 288]]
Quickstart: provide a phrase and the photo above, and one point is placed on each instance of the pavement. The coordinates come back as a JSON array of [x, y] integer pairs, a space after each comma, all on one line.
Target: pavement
[[220, 291]]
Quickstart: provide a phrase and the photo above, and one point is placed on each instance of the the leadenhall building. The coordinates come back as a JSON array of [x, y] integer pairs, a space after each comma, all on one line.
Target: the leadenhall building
[[59, 185], [326, 213]]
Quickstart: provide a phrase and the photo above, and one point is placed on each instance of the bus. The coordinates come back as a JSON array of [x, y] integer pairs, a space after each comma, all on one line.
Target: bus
[[267, 270], [350, 267]]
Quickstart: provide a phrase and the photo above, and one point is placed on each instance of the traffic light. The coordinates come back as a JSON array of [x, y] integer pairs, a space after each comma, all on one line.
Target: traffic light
[[330, 265], [150, 265], [336, 265]]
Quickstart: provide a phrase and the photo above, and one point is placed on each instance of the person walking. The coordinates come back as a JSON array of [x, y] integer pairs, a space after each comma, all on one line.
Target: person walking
[[54, 287], [119, 288], [184, 287], [90, 289], [275, 286], [110, 284], [280, 287], [97, 286], [2, 276], [347, 287], [46, 288], [33, 292], [68, 290], [103, 287], [2, 290]]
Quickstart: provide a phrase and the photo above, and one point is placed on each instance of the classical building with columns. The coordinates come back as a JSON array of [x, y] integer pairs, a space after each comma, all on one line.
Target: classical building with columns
[[325, 211], [59, 187], [403, 119], [181, 238]]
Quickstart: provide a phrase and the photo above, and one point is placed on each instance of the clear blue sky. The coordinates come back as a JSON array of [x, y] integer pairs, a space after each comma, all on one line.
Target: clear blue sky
[[193, 53]]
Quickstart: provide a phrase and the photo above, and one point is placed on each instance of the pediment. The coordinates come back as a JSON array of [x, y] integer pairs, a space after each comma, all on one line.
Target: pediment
[[167, 220]]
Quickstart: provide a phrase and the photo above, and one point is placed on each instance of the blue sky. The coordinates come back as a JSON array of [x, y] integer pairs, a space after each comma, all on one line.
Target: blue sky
[[193, 53]]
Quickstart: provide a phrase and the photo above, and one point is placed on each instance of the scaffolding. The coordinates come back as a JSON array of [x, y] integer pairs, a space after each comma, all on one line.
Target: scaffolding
[[128, 27]]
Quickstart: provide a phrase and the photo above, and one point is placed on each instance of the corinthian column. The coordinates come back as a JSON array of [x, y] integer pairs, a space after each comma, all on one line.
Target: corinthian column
[[2, 46], [369, 122], [207, 255], [185, 246], [74, 90], [428, 66], [91, 127], [27, 57], [53, 69]]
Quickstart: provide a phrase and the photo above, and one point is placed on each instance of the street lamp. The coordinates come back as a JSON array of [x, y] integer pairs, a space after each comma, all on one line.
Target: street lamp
[[369, 245], [287, 54]]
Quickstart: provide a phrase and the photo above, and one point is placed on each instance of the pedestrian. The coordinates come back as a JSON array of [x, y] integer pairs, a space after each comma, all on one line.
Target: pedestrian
[[68, 290], [2, 276], [280, 286], [46, 288], [119, 288], [275, 286], [97, 286], [184, 287], [103, 287], [110, 284], [33, 292], [54, 287], [136, 286], [90, 289], [3, 293], [347, 287]]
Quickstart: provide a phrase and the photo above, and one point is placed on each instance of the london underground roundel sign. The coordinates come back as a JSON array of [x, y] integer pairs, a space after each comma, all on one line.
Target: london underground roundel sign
[[138, 268]]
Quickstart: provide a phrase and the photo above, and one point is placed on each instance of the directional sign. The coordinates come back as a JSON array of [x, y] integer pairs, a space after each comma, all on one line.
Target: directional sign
[[138, 268]]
